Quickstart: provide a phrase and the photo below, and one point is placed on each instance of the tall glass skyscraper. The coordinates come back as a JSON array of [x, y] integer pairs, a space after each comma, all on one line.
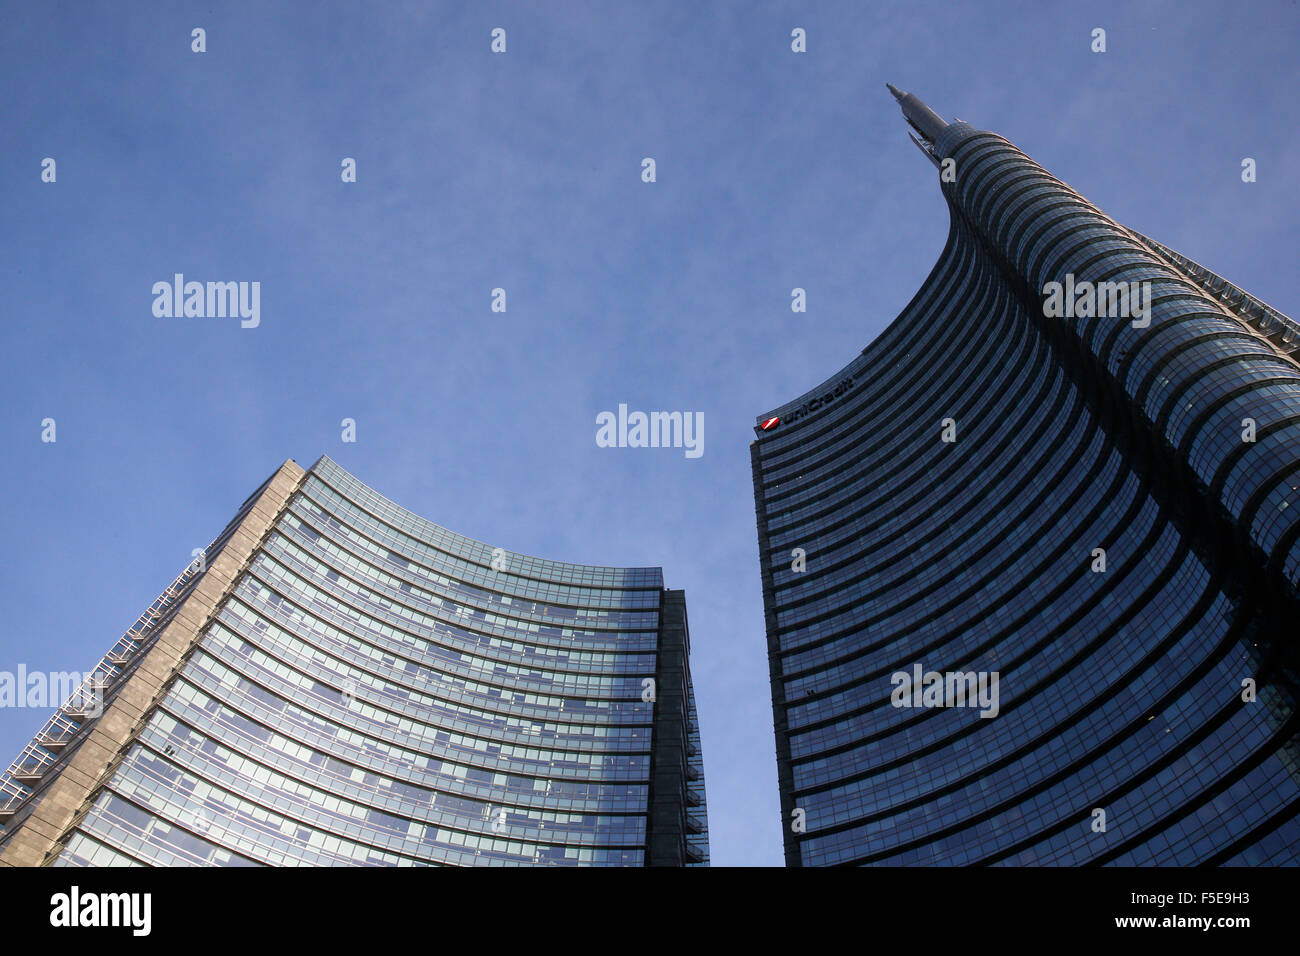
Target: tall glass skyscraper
[[1030, 560], [338, 681]]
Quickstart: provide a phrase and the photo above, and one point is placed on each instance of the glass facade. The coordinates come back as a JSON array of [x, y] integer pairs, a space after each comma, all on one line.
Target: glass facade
[[1073, 507], [373, 689]]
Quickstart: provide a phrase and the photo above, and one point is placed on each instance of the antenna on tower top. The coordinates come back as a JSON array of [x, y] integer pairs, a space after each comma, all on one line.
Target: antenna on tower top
[[920, 117]]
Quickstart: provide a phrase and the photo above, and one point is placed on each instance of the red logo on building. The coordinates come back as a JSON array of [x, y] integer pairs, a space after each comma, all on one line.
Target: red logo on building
[[770, 424]]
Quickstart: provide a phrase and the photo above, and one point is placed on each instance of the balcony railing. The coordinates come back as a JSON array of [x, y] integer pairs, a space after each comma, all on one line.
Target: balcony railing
[[85, 704]]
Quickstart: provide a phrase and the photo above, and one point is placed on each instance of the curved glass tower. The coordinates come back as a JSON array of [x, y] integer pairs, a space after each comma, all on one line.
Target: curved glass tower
[[339, 682], [1030, 560]]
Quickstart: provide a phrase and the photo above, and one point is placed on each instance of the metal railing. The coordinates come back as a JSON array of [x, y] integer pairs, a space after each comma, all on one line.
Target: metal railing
[[86, 703], [1259, 318]]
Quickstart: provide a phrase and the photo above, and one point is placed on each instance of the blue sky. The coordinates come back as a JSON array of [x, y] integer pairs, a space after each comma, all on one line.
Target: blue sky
[[523, 171]]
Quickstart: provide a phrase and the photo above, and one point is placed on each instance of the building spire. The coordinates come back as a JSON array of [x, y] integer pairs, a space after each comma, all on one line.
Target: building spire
[[920, 117]]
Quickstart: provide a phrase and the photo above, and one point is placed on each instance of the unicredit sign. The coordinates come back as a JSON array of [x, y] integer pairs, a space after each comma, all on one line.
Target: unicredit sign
[[808, 407]]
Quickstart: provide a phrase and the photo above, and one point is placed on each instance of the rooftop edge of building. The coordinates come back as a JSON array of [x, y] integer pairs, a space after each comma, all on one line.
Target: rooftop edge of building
[[325, 466]]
